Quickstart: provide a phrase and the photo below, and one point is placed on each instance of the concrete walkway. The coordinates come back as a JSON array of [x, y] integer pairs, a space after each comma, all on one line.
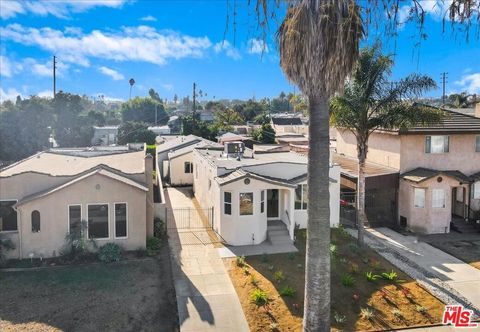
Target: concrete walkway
[[435, 264], [206, 298]]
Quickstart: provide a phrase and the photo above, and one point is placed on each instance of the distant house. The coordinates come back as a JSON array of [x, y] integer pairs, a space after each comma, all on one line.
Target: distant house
[[438, 168], [160, 130], [288, 125], [256, 196], [44, 196], [106, 135]]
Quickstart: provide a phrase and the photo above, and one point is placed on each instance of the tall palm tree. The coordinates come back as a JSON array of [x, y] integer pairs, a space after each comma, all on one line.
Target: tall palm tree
[[319, 43], [370, 102]]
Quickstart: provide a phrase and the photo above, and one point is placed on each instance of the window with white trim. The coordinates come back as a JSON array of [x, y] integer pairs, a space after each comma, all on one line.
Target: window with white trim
[[419, 197], [262, 201], [120, 220], [437, 144], [98, 221], [476, 190], [227, 202], [188, 167], [246, 204], [438, 198], [301, 197], [35, 219], [8, 216]]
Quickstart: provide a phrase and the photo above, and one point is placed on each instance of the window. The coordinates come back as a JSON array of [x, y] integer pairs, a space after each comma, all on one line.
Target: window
[[419, 197], [120, 220], [476, 190], [477, 143], [188, 167], [8, 216], [227, 203], [436, 144], [301, 197], [98, 221], [246, 204], [262, 201], [74, 216], [459, 194], [438, 198], [35, 221]]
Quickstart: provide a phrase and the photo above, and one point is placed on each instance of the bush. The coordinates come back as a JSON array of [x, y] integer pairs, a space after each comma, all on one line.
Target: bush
[[392, 276], [339, 318], [259, 297], [153, 245], [287, 291], [347, 280], [279, 276], [110, 252], [159, 228], [367, 313], [371, 277], [5, 245], [254, 281], [240, 261], [77, 241]]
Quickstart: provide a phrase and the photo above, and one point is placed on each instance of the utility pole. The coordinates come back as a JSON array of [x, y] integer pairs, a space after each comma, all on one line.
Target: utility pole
[[54, 76], [194, 110], [444, 78]]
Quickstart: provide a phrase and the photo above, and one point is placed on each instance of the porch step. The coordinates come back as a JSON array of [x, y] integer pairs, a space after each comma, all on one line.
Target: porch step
[[464, 227], [277, 232]]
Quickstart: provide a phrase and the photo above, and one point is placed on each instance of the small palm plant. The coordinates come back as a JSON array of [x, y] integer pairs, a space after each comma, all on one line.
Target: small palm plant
[[77, 241]]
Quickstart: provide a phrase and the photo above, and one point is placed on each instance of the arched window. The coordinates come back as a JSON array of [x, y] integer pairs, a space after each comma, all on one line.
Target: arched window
[[35, 221]]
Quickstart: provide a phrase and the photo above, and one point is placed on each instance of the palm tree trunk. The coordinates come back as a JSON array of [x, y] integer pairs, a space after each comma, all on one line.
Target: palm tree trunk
[[317, 267], [361, 216]]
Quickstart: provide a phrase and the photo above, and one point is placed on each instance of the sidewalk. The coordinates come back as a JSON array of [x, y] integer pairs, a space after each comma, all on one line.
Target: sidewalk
[[206, 298], [437, 267]]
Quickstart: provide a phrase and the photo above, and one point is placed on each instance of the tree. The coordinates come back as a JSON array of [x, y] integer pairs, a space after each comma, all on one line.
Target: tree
[[225, 120], [250, 109], [215, 105], [265, 134], [201, 128], [135, 132], [370, 102], [144, 110], [318, 44], [461, 100], [155, 96]]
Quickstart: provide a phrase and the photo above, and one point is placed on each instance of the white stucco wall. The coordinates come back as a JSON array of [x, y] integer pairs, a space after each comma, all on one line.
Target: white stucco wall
[[178, 177]]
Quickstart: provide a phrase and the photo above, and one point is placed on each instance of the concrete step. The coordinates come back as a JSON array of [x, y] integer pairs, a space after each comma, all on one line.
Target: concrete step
[[272, 232], [279, 239]]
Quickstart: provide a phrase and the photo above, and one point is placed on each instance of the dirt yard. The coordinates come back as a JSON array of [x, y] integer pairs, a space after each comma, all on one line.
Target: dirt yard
[[465, 247], [392, 304], [135, 295]]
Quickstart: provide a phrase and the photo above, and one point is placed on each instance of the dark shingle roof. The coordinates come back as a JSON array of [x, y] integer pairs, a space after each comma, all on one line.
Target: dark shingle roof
[[421, 174], [454, 122], [287, 121]]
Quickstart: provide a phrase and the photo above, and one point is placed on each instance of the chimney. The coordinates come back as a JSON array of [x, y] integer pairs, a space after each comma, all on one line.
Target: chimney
[[477, 110]]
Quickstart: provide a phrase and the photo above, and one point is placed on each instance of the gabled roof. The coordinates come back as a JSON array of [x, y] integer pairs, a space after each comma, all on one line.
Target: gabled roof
[[475, 177], [454, 122], [421, 174], [101, 170], [178, 143], [287, 121], [189, 148]]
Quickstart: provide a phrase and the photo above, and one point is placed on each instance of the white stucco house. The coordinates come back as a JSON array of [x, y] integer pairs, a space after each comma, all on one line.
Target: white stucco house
[[256, 196]]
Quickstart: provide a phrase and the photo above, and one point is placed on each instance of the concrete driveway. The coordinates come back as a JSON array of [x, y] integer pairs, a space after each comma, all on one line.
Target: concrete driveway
[[206, 298]]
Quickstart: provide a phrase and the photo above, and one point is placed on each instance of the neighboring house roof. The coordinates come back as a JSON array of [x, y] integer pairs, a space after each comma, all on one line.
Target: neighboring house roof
[[349, 166], [101, 170], [189, 148], [421, 174], [287, 121], [68, 162], [454, 122], [231, 137], [178, 143], [298, 139], [106, 127]]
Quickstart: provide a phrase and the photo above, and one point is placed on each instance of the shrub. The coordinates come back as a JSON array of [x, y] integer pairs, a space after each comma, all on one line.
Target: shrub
[[5, 245], [254, 281], [159, 228], [347, 280], [264, 258], [396, 313], [392, 276], [367, 313], [287, 291], [259, 297], [110, 252], [343, 232], [371, 277], [153, 245], [353, 247], [246, 271], [333, 250], [77, 241], [279, 276], [240, 261], [421, 309], [339, 318]]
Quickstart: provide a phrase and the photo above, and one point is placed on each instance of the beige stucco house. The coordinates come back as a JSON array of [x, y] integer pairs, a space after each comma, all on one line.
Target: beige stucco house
[[42, 196], [438, 167], [256, 196]]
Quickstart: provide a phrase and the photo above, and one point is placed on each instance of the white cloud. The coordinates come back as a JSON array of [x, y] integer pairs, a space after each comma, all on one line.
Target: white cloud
[[257, 46], [45, 94], [59, 8], [148, 18], [115, 75], [470, 83], [141, 43], [10, 94], [230, 51], [10, 67], [5, 67]]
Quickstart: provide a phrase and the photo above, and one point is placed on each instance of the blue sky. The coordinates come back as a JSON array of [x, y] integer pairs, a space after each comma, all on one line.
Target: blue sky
[[167, 45]]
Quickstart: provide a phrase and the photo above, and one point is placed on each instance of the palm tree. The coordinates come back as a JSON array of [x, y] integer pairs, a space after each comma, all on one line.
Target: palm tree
[[370, 102], [318, 43]]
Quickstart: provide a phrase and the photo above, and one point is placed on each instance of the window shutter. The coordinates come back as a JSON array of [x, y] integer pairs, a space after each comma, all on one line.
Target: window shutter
[[428, 144]]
